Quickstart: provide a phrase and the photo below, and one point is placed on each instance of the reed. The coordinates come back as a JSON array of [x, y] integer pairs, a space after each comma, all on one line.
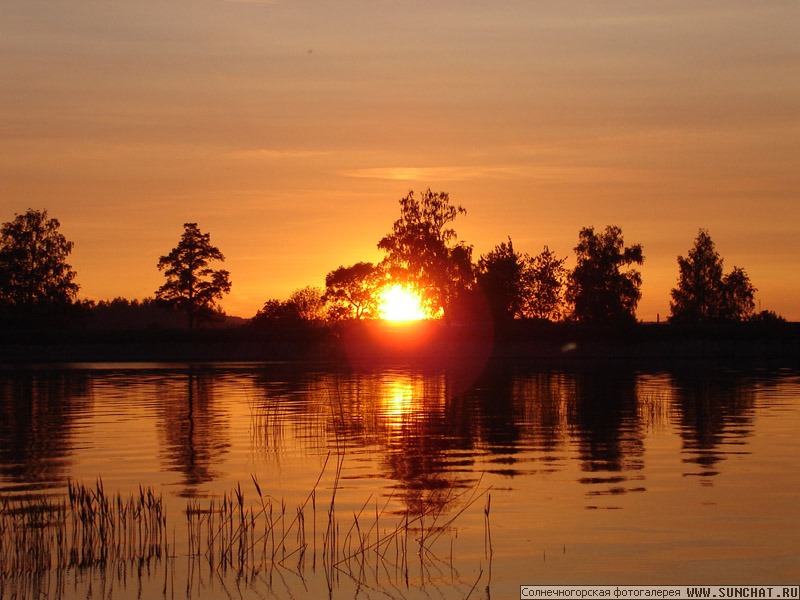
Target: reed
[[234, 534], [264, 534], [87, 528], [487, 530]]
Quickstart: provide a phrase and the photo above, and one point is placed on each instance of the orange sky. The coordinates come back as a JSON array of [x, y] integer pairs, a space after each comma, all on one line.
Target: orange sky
[[290, 129]]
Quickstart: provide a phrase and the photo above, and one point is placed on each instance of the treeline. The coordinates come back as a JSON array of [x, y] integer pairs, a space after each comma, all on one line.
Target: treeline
[[121, 313], [423, 256], [424, 253]]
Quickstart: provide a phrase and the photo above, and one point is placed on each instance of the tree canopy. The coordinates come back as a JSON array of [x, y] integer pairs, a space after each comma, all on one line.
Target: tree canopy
[[704, 292], [599, 289], [192, 286], [277, 311], [309, 303], [305, 305], [501, 276], [545, 277], [352, 292], [517, 285], [422, 250], [34, 273]]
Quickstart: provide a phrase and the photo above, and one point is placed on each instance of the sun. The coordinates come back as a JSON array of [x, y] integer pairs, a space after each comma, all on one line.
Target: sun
[[398, 303]]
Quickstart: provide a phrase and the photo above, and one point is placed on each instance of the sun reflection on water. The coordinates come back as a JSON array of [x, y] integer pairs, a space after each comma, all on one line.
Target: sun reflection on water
[[409, 400], [399, 400]]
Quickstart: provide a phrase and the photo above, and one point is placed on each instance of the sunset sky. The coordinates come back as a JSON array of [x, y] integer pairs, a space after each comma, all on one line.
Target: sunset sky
[[289, 130]]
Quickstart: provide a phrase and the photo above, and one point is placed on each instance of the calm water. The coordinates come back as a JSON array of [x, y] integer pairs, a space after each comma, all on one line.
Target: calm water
[[596, 475]]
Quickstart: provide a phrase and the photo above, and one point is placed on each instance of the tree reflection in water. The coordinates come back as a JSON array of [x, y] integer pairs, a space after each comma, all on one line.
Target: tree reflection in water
[[39, 410], [194, 431], [291, 402], [516, 411], [430, 433], [419, 439], [715, 410], [402, 414], [604, 420], [552, 442]]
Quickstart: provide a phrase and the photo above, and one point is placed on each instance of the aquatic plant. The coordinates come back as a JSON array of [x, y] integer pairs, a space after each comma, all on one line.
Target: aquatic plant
[[261, 535], [228, 538], [85, 529]]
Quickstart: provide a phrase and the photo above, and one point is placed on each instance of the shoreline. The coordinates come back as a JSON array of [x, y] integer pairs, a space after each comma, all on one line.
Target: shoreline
[[427, 343]]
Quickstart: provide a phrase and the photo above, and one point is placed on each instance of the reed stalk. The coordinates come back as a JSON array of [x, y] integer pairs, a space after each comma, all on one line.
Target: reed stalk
[[90, 529]]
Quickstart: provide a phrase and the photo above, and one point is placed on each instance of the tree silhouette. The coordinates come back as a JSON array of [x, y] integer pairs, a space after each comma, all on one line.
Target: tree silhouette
[[352, 292], [304, 305], [739, 296], [545, 276], [192, 286], [275, 310], [501, 276], [598, 290], [34, 273], [517, 285], [123, 314], [421, 251], [309, 303], [703, 293]]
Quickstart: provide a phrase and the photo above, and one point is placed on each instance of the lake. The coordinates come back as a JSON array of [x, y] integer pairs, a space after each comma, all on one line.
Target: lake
[[470, 484]]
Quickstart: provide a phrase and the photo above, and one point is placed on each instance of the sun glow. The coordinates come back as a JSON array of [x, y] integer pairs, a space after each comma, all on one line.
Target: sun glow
[[398, 303]]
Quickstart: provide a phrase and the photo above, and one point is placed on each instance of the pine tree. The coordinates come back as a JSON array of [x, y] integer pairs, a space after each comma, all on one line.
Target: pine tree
[[192, 286]]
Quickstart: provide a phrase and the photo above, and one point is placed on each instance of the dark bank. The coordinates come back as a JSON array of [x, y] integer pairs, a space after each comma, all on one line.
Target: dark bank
[[378, 341]]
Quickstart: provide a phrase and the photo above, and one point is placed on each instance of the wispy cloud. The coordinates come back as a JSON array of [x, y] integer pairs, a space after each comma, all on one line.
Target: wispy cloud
[[452, 173]]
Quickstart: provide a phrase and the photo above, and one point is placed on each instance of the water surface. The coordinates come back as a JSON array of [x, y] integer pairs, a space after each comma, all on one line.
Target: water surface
[[597, 475]]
